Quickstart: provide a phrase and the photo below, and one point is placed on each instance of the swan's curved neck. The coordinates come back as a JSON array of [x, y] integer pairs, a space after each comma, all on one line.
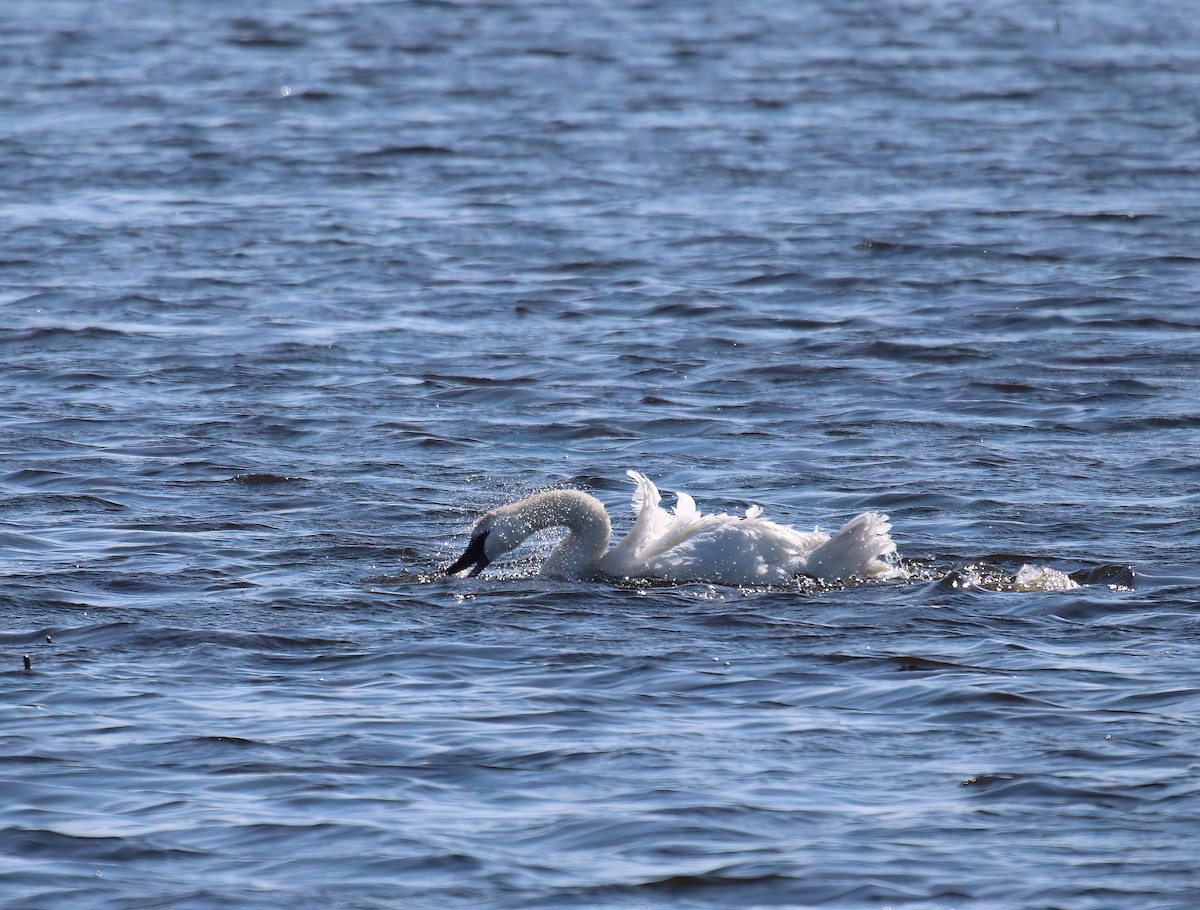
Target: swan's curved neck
[[585, 519]]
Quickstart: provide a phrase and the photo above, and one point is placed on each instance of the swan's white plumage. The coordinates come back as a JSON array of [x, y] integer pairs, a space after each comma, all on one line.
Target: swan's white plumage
[[683, 544]]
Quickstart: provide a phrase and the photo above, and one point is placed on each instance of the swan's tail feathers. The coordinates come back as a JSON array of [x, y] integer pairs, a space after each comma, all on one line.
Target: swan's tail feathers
[[863, 548]]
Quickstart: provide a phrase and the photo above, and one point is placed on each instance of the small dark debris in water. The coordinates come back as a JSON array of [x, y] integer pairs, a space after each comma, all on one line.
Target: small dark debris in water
[[255, 480], [882, 246], [28, 663], [977, 780]]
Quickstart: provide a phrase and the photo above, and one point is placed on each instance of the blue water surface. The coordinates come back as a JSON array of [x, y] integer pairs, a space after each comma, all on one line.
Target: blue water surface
[[292, 292]]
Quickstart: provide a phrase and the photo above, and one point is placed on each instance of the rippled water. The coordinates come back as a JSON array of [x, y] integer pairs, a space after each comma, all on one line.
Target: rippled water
[[292, 292]]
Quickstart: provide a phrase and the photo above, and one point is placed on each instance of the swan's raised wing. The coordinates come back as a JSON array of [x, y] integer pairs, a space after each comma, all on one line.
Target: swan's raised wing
[[654, 529], [684, 544]]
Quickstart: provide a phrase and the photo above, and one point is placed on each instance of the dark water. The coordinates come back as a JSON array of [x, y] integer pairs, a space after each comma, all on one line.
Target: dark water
[[291, 291]]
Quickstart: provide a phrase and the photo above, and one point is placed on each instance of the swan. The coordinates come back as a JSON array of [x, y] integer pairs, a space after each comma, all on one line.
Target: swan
[[682, 545]]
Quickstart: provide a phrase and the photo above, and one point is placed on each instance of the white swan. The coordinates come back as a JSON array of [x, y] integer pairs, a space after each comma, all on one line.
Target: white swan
[[681, 545]]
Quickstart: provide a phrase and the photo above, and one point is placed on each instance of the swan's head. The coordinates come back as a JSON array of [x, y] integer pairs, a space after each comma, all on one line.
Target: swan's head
[[503, 529], [495, 534]]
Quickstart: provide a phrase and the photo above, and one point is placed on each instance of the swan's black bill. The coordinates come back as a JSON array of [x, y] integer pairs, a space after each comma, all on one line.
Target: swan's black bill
[[474, 555]]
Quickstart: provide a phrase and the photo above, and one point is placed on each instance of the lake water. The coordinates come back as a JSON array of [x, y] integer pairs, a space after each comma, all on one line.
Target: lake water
[[291, 292]]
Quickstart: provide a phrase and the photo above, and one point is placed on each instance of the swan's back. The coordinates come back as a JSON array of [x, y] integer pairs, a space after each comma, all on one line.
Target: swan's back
[[738, 551], [684, 545]]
